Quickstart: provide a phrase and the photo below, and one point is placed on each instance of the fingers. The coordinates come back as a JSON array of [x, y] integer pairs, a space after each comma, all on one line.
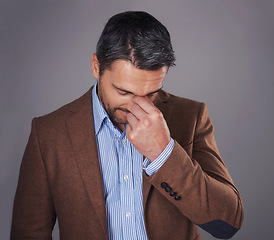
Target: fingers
[[145, 111], [132, 120], [147, 129], [142, 107], [138, 112], [131, 127], [145, 104], [129, 132]]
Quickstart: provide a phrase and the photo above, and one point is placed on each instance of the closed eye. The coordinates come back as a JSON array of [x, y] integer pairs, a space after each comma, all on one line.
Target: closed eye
[[122, 93]]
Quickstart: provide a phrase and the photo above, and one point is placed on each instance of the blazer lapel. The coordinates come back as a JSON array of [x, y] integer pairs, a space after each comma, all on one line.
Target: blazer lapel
[[81, 131]]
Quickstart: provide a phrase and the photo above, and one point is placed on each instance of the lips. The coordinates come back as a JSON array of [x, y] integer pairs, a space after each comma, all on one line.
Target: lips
[[124, 110]]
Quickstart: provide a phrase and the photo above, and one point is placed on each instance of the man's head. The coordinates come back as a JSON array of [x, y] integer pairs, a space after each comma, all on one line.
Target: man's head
[[132, 58], [136, 37]]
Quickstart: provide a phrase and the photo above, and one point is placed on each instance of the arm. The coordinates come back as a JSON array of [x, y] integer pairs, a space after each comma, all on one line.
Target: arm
[[33, 212], [204, 191], [208, 196]]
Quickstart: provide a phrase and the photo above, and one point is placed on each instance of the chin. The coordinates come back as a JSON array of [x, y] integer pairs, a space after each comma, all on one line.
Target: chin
[[122, 118]]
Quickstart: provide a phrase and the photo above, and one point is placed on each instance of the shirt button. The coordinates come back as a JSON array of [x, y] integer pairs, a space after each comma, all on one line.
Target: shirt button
[[123, 140], [128, 214], [125, 177]]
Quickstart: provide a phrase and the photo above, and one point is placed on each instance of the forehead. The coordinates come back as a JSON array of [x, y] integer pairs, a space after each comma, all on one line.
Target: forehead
[[125, 75]]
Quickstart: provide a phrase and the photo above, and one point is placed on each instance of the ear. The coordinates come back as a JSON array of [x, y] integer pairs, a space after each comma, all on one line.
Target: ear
[[95, 66]]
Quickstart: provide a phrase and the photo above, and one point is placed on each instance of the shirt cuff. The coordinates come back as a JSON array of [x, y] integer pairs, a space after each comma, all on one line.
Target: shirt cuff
[[152, 167]]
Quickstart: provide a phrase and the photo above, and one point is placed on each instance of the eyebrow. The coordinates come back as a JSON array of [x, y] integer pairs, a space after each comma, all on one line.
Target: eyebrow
[[126, 91]]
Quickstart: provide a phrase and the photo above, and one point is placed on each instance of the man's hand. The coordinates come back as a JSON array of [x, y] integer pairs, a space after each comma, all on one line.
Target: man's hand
[[147, 129]]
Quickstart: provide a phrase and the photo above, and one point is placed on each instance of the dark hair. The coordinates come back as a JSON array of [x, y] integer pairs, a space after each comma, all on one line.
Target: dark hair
[[137, 37]]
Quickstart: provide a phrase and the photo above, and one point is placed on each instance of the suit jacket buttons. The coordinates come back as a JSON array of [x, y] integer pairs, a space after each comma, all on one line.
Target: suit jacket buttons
[[177, 198], [172, 194], [164, 185]]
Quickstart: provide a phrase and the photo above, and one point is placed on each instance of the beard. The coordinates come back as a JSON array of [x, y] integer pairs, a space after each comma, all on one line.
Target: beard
[[112, 112]]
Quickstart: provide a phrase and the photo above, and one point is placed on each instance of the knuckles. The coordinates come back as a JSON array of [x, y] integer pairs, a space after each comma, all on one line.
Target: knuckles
[[146, 122], [156, 115]]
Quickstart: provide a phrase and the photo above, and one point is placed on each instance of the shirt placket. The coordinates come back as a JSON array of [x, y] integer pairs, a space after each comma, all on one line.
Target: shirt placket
[[137, 165], [127, 191]]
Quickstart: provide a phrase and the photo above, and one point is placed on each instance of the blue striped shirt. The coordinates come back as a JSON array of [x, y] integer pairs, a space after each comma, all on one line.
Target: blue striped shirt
[[121, 167]]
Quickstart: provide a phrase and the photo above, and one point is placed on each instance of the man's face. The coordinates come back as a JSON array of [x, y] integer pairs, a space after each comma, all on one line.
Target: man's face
[[118, 86]]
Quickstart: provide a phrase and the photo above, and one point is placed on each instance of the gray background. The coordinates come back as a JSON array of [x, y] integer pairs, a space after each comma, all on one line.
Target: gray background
[[225, 57]]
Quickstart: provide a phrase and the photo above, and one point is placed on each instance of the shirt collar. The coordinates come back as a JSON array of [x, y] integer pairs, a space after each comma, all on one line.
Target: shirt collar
[[99, 113]]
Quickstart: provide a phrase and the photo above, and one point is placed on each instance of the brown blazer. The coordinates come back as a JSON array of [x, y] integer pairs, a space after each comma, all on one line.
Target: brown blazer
[[60, 177]]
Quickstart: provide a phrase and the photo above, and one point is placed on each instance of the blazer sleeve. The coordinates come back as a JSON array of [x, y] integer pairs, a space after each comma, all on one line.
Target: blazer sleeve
[[33, 212], [202, 188]]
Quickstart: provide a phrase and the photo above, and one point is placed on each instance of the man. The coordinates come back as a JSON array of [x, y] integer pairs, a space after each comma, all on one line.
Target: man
[[126, 160]]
